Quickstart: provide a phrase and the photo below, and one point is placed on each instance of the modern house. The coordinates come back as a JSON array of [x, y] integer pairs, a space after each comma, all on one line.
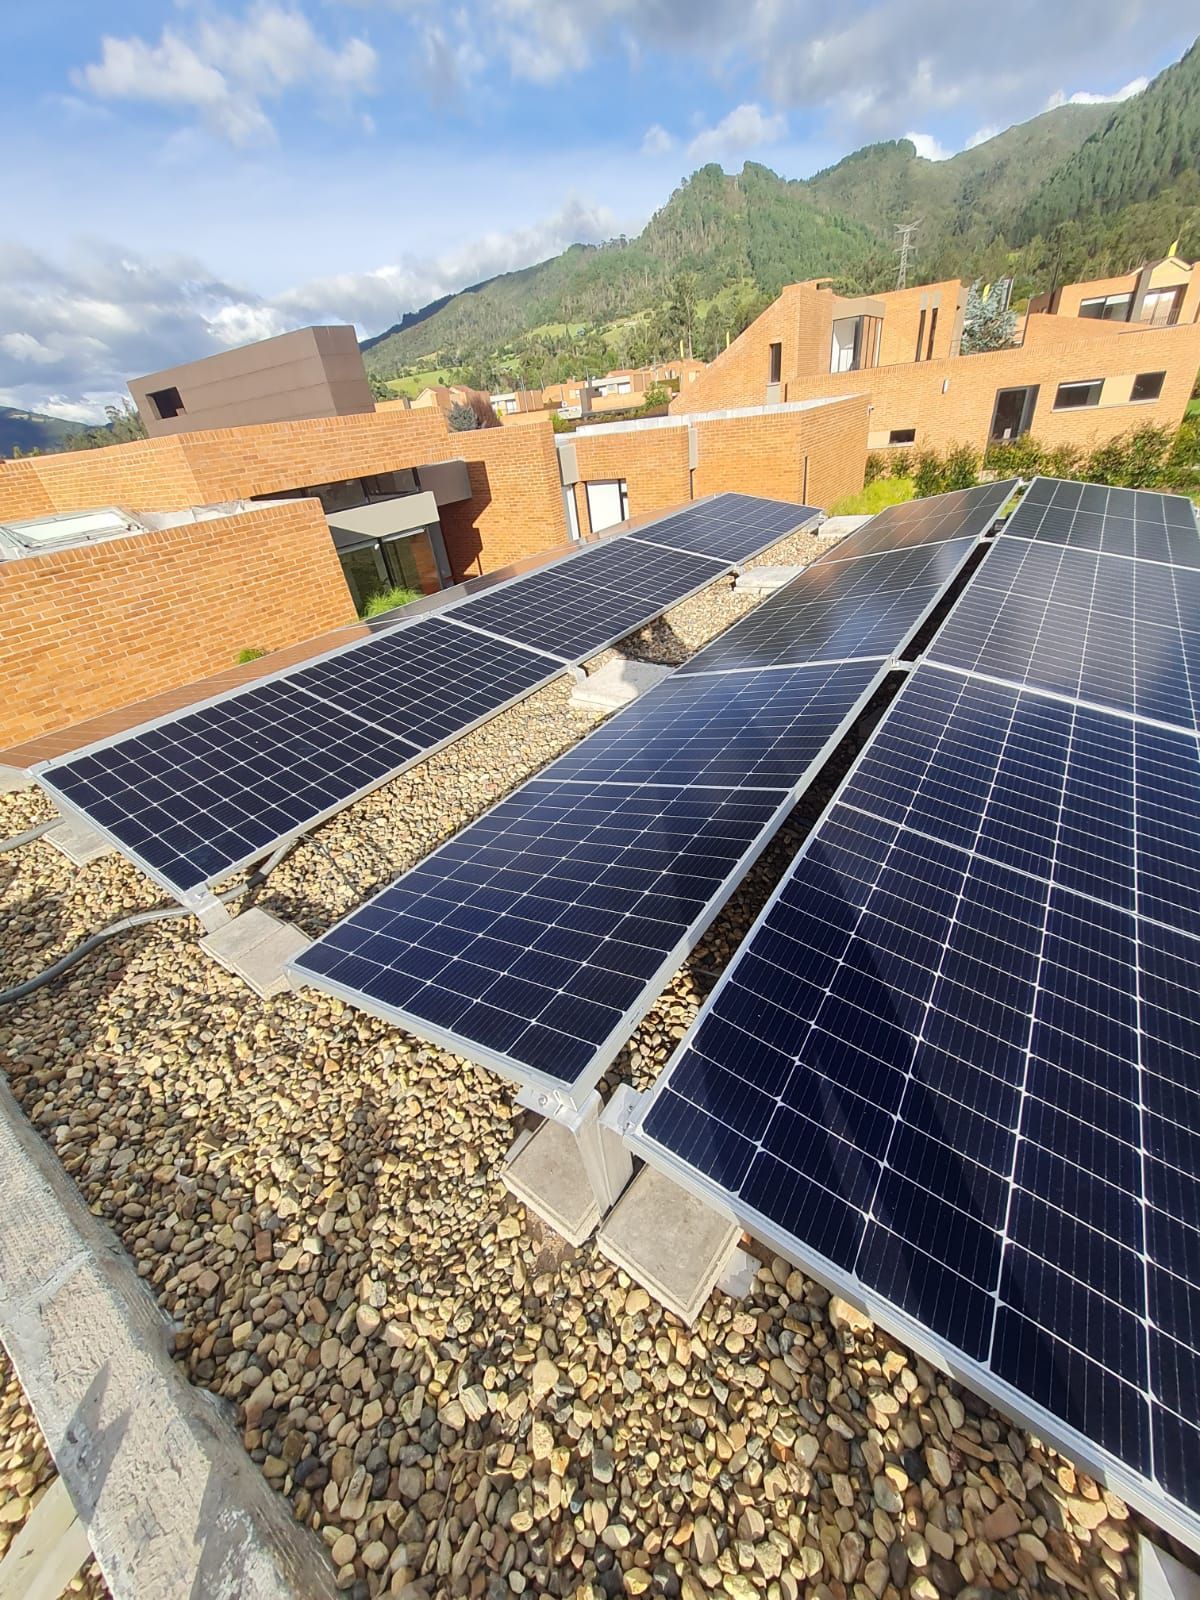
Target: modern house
[[1160, 294], [311, 372], [1073, 377]]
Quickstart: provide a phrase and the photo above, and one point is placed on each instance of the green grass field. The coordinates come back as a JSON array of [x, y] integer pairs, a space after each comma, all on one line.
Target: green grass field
[[875, 497], [1193, 409], [416, 381]]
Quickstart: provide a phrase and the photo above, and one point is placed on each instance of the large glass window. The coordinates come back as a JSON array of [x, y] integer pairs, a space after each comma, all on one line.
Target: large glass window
[[1147, 386], [1160, 308], [1108, 307]]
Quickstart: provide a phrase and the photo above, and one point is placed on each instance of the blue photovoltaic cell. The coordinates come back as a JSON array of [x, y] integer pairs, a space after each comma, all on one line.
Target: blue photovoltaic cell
[[733, 527], [1118, 633], [966, 513], [836, 610], [757, 729], [426, 682], [584, 603], [532, 934], [534, 939], [958, 1058], [1120, 522], [213, 788]]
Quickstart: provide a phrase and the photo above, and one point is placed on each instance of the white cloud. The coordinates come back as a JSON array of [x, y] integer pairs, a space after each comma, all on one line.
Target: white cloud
[[657, 141], [981, 136], [1083, 97], [928, 147], [79, 329], [744, 128], [227, 67]]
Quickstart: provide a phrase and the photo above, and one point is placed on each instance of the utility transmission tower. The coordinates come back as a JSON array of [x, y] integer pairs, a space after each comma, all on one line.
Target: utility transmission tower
[[904, 247]]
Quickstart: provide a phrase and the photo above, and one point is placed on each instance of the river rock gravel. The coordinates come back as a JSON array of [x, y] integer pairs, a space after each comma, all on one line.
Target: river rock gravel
[[454, 1400]]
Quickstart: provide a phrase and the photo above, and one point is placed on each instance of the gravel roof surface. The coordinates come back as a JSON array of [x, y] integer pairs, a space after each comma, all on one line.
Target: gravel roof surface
[[456, 1401]]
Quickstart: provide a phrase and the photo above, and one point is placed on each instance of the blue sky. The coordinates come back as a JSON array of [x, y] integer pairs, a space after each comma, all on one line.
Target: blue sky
[[185, 176]]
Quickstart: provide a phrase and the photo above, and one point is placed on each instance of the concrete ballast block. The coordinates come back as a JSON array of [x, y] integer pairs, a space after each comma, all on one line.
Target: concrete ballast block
[[14, 779], [256, 947], [545, 1172], [669, 1241], [618, 683], [78, 842], [764, 580]]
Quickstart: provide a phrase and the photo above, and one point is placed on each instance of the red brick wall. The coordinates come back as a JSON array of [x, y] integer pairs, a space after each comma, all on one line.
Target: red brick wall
[[951, 401], [653, 462], [516, 504], [813, 457], [86, 630]]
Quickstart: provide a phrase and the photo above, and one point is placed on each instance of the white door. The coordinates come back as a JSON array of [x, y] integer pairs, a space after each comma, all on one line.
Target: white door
[[606, 503]]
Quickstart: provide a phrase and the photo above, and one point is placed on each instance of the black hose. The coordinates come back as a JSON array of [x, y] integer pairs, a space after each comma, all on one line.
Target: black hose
[[64, 963]]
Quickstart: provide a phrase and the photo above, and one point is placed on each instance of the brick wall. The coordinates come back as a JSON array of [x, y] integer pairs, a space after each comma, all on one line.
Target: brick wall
[[951, 401], [516, 504], [902, 321], [653, 462], [813, 457], [190, 469], [86, 630], [800, 321]]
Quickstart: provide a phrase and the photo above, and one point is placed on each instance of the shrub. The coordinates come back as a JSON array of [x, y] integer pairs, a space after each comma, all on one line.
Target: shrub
[[388, 600], [960, 468], [1130, 461], [462, 419], [927, 473], [900, 463], [877, 466], [250, 653]]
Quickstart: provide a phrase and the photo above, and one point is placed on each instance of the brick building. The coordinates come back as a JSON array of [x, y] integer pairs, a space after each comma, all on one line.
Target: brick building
[[292, 524], [1075, 377]]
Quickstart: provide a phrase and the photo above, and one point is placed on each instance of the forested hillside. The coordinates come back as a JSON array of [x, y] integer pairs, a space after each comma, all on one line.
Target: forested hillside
[[22, 432], [1082, 190]]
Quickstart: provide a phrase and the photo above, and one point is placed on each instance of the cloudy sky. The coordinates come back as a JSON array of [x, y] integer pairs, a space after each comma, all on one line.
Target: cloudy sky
[[186, 176]]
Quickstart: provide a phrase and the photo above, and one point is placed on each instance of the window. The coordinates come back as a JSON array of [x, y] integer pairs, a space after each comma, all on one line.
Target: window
[[167, 403], [1160, 308], [1075, 396], [608, 503], [1147, 386], [1108, 307], [1013, 413], [920, 334], [902, 436], [776, 364], [932, 333]]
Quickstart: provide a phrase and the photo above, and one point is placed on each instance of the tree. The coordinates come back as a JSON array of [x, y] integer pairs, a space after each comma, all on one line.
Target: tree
[[988, 323], [462, 418], [381, 389], [681, 308], [123, 425]]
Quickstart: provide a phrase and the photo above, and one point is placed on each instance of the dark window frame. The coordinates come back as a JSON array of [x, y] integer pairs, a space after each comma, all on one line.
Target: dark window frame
[[910, 436], [933, 316], [1094, 387], [1145, 399], [775, 357], [920, 334]]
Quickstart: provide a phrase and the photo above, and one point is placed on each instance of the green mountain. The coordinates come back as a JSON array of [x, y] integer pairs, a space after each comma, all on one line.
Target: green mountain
[[1080, 190], [30, 430]]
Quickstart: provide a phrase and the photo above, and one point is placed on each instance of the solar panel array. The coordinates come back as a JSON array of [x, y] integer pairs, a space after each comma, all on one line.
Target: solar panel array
[[1121, 522], [535, 940], [955, 1067], [195, 796]]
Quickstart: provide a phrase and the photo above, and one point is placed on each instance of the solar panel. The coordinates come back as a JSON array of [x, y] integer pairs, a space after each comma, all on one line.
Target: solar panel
[[962, 513], [835, 610], [535, 939], [955, 1067], [1123, 634], [196, 795], [590, 600], [1120, 522], [731, 527]]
